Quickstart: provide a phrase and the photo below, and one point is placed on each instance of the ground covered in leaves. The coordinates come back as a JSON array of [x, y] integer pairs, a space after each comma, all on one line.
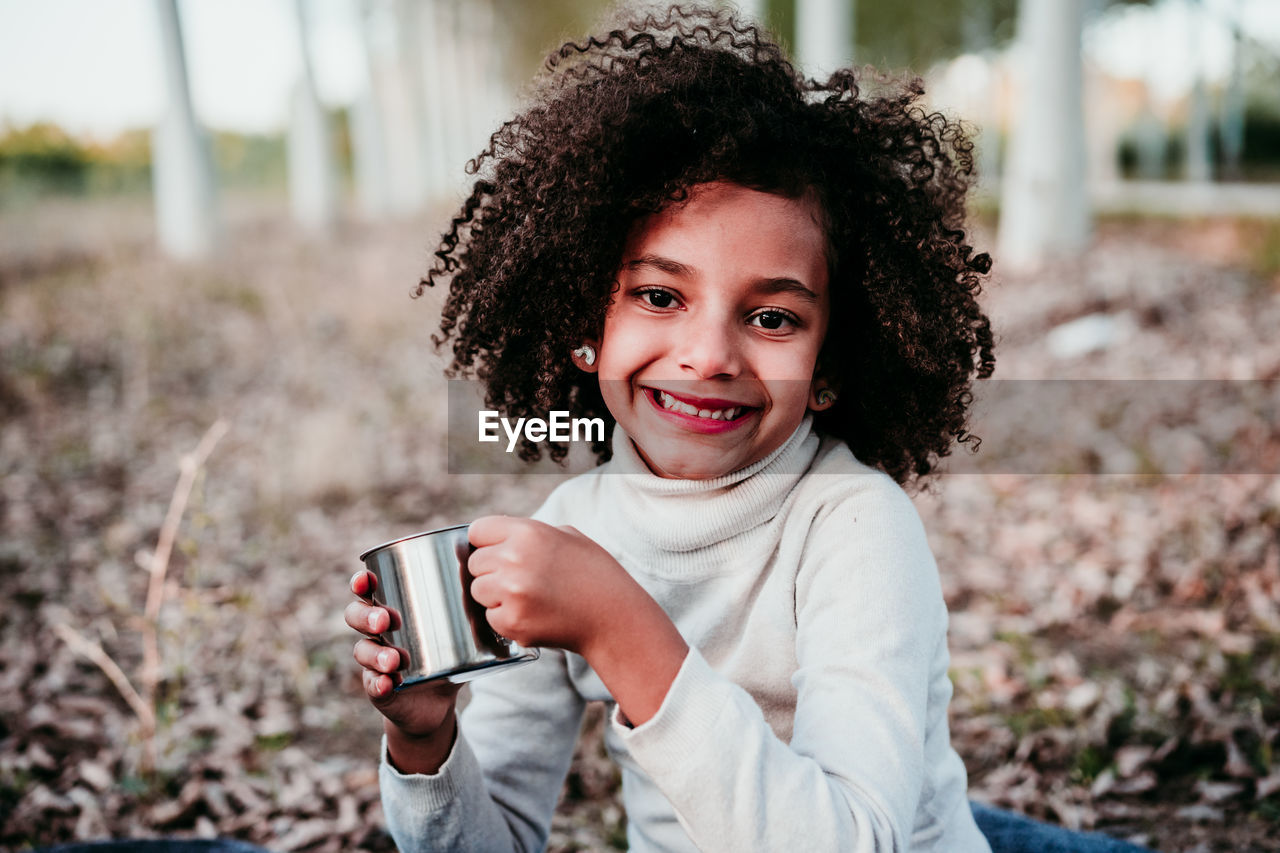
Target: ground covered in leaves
[[1116, 636]]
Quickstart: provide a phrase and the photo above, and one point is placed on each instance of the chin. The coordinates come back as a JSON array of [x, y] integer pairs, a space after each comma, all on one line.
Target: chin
[[685, 468]]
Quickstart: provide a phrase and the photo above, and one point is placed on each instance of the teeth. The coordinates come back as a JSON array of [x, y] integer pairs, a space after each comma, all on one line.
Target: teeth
[[672, 404]]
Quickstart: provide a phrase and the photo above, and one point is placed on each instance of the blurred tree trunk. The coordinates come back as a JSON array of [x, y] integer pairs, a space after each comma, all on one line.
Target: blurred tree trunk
[[484, 92], [1151, 140], [450, 89], [1231, 122], [411, 184], [313, 179], [824, 35], [1198, 166], [181, 164], [978, 37], [368, 131], [1043, 206]]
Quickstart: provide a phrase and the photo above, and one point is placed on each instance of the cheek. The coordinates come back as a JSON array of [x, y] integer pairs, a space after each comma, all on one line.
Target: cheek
[[624, 347], [797, 364], [791, 399]]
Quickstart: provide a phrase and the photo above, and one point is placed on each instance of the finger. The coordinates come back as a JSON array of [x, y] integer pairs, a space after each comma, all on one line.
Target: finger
[[490, 529], [377, 685], [483, 561], [486, 591], [376, 656], [367, 619], [364, 583], [502, 625]]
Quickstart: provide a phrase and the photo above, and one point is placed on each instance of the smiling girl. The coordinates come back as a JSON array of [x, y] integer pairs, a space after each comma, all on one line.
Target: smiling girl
[[763, 285]]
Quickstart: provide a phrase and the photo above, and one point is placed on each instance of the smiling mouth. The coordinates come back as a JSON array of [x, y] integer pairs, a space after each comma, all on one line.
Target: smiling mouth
[[673, 404]]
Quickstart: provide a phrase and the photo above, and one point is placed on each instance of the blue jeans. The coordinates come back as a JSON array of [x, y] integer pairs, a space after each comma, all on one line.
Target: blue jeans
[[1008, 832], [156, 845], [1005, 831]]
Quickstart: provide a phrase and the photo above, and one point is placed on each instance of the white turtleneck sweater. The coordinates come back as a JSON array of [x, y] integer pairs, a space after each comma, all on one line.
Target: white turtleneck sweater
[[810, 713]]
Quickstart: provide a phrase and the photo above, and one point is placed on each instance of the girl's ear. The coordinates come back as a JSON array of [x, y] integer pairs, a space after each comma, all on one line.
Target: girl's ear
[[585, 356], [822, 394]]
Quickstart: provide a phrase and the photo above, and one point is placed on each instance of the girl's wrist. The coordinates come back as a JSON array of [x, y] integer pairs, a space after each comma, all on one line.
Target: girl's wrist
[[421, 753], [638, 659]]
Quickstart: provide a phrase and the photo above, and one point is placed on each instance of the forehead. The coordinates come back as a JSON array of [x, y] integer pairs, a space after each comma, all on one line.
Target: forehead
[[723, 226]]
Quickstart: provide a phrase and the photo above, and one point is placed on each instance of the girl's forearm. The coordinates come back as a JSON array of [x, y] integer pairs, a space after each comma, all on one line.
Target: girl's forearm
[[638, 659]]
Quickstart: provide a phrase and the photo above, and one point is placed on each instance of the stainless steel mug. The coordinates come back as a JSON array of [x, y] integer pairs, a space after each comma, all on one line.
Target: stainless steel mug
[[442, 632]]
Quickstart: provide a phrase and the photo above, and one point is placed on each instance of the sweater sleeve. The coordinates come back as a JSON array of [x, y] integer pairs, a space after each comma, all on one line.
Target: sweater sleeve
[[869, 617], [498, 788]]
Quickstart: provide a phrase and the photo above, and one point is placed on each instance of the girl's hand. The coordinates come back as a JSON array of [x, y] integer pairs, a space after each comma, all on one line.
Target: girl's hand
[[546, 586], [419, 722], [553, 586]]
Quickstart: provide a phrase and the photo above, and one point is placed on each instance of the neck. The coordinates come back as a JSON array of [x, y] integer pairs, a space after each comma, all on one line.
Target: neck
[[658, 514]]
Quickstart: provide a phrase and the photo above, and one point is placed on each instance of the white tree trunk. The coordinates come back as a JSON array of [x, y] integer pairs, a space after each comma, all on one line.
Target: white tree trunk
[[1043, 206], [1231, 123], [368, 132], [368, 157], [1197, 166], [824, 35], [453, 93], [1151, 139], [414, 18], [313, 179], [438, 76], [181, 166], [486, 91]]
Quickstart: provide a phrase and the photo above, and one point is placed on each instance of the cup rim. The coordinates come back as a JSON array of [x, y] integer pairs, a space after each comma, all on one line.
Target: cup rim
[[411, 536]]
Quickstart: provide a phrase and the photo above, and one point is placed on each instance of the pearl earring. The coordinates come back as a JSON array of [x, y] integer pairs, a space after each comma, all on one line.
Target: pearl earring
[[587, 353], [826, 397]]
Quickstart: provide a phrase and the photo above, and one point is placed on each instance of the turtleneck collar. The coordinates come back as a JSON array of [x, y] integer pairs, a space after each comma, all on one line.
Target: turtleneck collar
[[685, 515]]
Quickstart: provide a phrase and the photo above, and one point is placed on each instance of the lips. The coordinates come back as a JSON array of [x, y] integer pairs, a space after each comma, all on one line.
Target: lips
[[702, 408]]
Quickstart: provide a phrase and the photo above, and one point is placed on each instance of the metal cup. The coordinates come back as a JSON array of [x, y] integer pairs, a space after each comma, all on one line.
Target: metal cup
[[438, 627]]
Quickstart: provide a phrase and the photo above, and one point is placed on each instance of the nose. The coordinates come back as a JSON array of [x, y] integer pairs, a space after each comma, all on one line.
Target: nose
[[710, 351]]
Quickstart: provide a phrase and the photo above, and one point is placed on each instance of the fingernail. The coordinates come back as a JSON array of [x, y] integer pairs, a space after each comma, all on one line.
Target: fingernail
[[384, 659], [354, 577]]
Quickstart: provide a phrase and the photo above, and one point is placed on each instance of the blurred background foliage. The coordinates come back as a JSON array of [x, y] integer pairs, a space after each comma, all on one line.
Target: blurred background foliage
[[913, 37]]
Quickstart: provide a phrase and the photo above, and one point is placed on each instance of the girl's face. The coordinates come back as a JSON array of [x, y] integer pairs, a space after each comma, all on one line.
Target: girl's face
[[710, 344]]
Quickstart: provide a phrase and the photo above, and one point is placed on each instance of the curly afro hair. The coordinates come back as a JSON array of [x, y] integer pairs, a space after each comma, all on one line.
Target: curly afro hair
[[624, 125]]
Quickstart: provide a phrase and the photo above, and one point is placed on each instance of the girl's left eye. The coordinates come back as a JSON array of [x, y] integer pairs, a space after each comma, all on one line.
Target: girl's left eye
[[772, 320], [657, 298]]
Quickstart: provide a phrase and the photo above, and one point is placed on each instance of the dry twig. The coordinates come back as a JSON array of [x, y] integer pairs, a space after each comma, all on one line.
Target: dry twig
[[189, 467], [87, 648]]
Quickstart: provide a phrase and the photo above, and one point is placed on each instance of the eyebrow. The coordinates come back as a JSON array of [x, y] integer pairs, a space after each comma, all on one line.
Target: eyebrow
[[787, 285], [767, 285], [659, 263]]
